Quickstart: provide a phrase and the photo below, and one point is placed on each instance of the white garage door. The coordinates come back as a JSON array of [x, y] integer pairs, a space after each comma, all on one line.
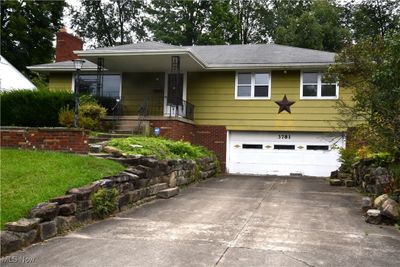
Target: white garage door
[[311, 154]]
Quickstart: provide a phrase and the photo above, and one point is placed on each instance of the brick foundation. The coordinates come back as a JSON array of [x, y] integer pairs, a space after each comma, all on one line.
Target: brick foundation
[[58, 139], [211, 137]]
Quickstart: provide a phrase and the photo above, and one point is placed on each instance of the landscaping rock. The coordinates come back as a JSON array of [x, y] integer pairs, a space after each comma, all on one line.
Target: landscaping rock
[[84, 216], [379, 200], [373, 216], [47, 230], [335, 182], [334, 174], [95, 148], [170, 179], [45, 211], [112, 150], [105, 183], [81, 194], [349, 183], [65, 223], [168, 193], [391, 209], [164, 167], [181, 181], [382, 179], [10, 242], [23, 225], [366, 204], [141, 183], [149, 162], [123, 200], [137, 172], [125, 161], [83, 205], [67, 209], [64, 199], [344, 175], [134, 196], [27, 237], [154, 189]]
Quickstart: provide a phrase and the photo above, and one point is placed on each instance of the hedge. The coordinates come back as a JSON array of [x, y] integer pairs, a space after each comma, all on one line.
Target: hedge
[[33, 108]]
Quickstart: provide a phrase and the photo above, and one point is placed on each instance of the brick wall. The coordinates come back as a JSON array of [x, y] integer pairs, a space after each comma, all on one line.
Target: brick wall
[[175, 129], [66, 44], [211, 137], [59, 139]]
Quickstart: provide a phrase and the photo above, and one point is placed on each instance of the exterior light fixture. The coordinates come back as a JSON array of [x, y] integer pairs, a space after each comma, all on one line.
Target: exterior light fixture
[[78, 63]]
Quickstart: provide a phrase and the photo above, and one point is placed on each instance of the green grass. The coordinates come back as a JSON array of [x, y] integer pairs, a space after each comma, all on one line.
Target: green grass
[[159, 147], [30, 177]]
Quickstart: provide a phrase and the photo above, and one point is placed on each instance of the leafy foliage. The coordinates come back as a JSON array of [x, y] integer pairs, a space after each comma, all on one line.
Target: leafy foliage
[[27, 31], [103, 202], [159, 147], [33, 108], [109, 23], [90, 114], [370, 69]]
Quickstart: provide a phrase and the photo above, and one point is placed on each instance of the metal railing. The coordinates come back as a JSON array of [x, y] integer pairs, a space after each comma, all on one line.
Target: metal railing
[[160, 107]]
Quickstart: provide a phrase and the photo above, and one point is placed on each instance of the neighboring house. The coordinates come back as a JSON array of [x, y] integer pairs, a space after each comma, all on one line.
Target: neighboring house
[[11, 78], [225, 99]]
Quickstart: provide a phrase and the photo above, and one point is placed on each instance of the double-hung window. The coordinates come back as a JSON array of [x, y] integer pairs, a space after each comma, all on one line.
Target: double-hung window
[[253, 85], [315, 85]]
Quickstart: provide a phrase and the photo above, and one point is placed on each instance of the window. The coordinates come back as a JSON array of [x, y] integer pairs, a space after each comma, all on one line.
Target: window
[[284, 147], [252, 146], [111, 85], [315, 85], [317, 147], [253, 85]]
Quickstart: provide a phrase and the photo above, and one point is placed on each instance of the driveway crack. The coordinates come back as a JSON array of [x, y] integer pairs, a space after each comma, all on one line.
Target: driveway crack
[[233, 242], [296, 259]]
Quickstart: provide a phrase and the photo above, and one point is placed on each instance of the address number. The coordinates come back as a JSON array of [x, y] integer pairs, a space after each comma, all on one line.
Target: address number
[[283, 136]]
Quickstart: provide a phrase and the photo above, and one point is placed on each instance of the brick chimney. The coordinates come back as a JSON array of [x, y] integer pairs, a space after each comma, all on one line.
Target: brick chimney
[[66, 44]]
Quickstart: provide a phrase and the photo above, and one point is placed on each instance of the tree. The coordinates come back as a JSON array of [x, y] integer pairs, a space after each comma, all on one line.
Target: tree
[[27, 31], [178, 22], [316, 25], [375, 18], [371, 69], [109, 23]]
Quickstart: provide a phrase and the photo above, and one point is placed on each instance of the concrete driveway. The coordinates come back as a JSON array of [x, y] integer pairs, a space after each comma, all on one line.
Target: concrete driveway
[[231, 221]]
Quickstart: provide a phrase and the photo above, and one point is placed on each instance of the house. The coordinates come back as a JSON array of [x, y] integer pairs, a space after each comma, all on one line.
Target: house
[[263, 108], [11, 78]]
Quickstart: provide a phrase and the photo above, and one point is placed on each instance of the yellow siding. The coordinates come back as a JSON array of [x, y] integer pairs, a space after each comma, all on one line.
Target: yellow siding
[[136, 87], [60, 82], [213, 94]]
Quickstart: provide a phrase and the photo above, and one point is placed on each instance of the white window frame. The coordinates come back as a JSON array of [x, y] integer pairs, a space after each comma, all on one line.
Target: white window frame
[[319, 87], [252, 86]]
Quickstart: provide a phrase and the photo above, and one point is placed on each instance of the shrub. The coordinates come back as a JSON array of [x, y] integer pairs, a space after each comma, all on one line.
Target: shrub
[[348, 156], [103, 202], [33, 108], [90, 114]]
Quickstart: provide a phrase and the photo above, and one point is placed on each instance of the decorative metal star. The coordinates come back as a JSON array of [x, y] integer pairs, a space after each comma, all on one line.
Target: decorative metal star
[[284, 104]]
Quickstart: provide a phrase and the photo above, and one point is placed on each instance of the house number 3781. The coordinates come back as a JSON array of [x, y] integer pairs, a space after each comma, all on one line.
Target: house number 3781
[[283, 136]]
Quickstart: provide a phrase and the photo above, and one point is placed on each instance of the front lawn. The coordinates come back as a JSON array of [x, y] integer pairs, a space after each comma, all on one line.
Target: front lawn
[[30, 177]]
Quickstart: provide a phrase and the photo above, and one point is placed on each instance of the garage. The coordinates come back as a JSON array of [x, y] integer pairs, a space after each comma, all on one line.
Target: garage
[[288, 153]]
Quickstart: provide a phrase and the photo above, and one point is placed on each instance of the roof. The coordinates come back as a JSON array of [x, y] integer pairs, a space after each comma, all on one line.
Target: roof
[[214, 56], [63, 66], [11, 78]]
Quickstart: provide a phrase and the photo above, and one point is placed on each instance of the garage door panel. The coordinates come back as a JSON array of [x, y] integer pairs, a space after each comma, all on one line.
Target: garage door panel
[[300, 160]]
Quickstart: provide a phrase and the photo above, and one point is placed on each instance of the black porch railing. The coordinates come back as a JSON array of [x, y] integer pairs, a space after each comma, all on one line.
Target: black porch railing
[[159, 107]]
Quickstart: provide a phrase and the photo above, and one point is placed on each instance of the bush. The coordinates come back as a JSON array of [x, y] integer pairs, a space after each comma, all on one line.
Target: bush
[[103, 202], [90, 114], [33, 108], [159, 147], [348, 156]]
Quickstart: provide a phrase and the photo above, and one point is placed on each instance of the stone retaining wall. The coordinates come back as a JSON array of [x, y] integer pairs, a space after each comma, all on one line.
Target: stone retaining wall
[[143, 179], [59, 139]]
